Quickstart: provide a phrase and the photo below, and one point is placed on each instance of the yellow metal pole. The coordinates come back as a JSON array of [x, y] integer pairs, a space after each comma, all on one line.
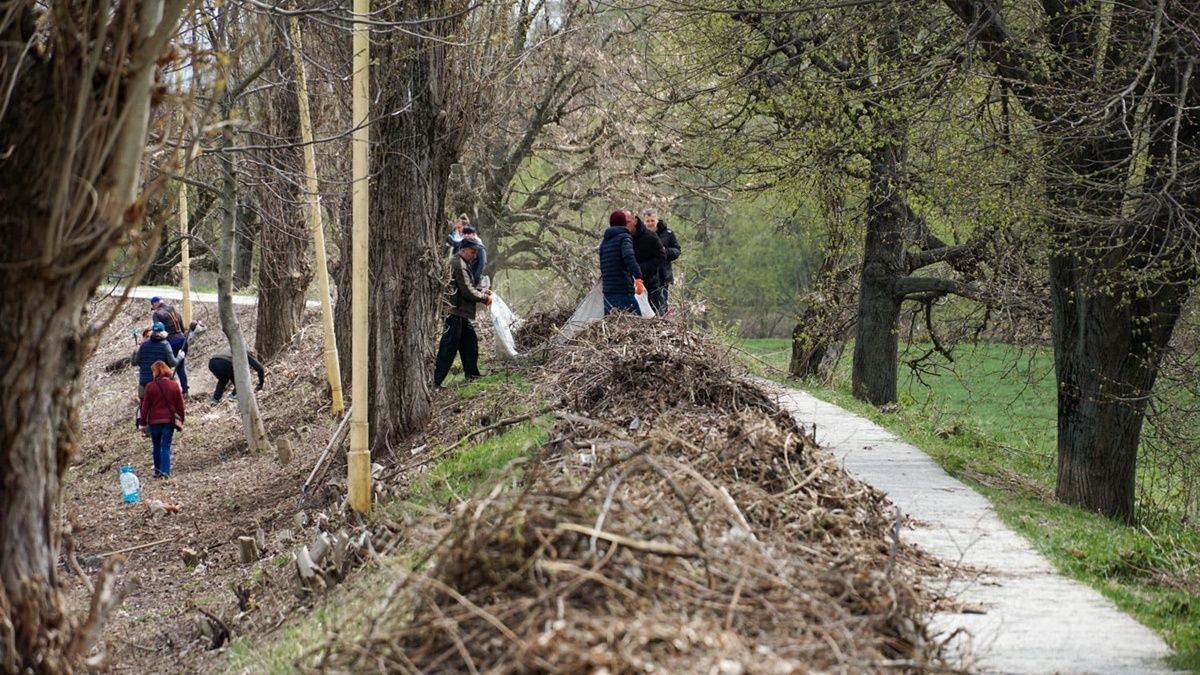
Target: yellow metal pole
[[358, 460], [332, 368], [185, 255]]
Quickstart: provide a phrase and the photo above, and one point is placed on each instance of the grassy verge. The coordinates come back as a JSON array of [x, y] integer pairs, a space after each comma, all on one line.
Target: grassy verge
[[989, 420]]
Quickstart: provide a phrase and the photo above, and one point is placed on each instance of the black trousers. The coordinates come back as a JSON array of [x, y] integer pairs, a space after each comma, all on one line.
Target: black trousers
[[658, 299], [223, 371], [458, 337]]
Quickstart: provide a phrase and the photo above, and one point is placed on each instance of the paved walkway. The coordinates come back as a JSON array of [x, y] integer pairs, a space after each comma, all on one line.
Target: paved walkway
[[173, 293], [1035, 620]]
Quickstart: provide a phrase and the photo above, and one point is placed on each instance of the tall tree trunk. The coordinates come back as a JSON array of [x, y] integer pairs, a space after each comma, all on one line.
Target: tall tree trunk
[[876, 345], [243, 242], [284, 271], [42, 347], [73, 132], [411, 164], [1115, 303], [252, 424]]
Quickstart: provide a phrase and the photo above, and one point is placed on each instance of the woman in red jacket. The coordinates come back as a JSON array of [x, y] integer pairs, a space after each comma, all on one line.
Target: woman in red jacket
[[162, 402]]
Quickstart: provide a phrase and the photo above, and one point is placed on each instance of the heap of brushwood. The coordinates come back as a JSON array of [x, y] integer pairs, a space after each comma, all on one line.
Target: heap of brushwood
[[539, 327], [676, 520]]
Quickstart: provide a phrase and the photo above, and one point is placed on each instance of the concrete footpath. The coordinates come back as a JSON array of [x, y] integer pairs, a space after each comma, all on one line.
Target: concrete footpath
[[1033, 619], [174, 294]]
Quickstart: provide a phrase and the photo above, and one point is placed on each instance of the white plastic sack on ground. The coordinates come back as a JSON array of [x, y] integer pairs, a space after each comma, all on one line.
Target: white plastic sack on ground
[[592, 309], [504, 322]]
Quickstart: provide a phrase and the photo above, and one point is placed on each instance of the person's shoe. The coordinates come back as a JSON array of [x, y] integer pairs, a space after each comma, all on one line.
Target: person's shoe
[[214, 401], [233, 396]]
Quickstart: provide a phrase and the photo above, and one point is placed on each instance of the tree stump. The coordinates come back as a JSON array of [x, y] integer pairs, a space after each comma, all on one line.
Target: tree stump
[[248, 548]]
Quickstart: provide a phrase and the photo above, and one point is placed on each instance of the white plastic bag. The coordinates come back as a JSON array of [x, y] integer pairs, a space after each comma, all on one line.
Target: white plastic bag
[[504, 322], [592, 309]]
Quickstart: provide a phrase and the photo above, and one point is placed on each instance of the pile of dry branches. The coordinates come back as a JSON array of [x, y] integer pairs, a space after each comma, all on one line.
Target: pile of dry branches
[[539, 327], [625, 366], [714, 537]]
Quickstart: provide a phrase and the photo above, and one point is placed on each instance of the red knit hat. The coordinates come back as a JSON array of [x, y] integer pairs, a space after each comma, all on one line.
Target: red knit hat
[[616, 219]]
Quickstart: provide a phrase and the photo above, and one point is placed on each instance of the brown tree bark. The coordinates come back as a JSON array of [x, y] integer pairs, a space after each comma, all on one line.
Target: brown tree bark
[[243, 247], [72, 154], [284, 271], [416, 137], [876, 346]]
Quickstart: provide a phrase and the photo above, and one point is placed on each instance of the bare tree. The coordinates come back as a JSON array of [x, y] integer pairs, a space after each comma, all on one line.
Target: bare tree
[[1114, 100], [79, 84], [284, 271], [421, 113]]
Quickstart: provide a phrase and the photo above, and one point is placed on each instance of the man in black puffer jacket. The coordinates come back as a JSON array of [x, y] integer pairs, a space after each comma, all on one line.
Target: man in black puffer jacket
[[650, 255], [671, 244], [619, 271]]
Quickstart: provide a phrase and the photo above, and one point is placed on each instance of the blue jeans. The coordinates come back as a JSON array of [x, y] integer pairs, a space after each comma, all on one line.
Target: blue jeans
[[180, 370], [623, 302], [160, 437]]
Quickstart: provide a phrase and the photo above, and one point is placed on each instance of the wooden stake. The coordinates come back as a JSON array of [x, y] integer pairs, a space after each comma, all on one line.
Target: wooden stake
[[283, 450], [135, 548], [358, 460], [185, 257], [333, 371]]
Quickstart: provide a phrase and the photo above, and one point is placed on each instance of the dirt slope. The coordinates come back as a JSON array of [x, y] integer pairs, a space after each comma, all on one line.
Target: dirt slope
[[221, 489]]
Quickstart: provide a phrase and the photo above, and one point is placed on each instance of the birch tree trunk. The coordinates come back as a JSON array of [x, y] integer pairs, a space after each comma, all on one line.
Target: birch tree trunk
[[256, 433]]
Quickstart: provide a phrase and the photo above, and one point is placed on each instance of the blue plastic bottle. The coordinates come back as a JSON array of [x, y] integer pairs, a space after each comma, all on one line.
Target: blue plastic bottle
[[131, 487]]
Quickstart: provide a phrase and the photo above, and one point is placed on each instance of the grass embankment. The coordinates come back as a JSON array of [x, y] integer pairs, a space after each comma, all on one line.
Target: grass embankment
[[989, 420], [346, 608]]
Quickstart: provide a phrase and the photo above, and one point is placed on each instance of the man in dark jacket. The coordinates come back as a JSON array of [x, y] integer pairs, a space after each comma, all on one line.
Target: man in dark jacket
[[170, 317], [221, 366], [155, 348], [459, 336], [620, 274], [651, 257], [671, 245]]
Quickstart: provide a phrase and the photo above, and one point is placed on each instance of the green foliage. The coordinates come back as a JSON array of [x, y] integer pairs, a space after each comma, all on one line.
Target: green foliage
[[753, 265], [463, 472]]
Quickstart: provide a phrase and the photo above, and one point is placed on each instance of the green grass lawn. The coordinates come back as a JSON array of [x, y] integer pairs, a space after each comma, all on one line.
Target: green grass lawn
[[989, 419]]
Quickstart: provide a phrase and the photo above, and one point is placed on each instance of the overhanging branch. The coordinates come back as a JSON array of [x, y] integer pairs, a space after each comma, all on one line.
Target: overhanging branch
[[925, 288]]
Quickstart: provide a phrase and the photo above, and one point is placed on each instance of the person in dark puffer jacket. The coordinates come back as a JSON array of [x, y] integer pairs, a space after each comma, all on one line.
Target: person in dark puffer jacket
[[156, 348], [671, 244], [650, 255], [620, 275]]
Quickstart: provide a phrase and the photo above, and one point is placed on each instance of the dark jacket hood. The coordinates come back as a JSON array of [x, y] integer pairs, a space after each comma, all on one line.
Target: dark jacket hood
[[614, 231]]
